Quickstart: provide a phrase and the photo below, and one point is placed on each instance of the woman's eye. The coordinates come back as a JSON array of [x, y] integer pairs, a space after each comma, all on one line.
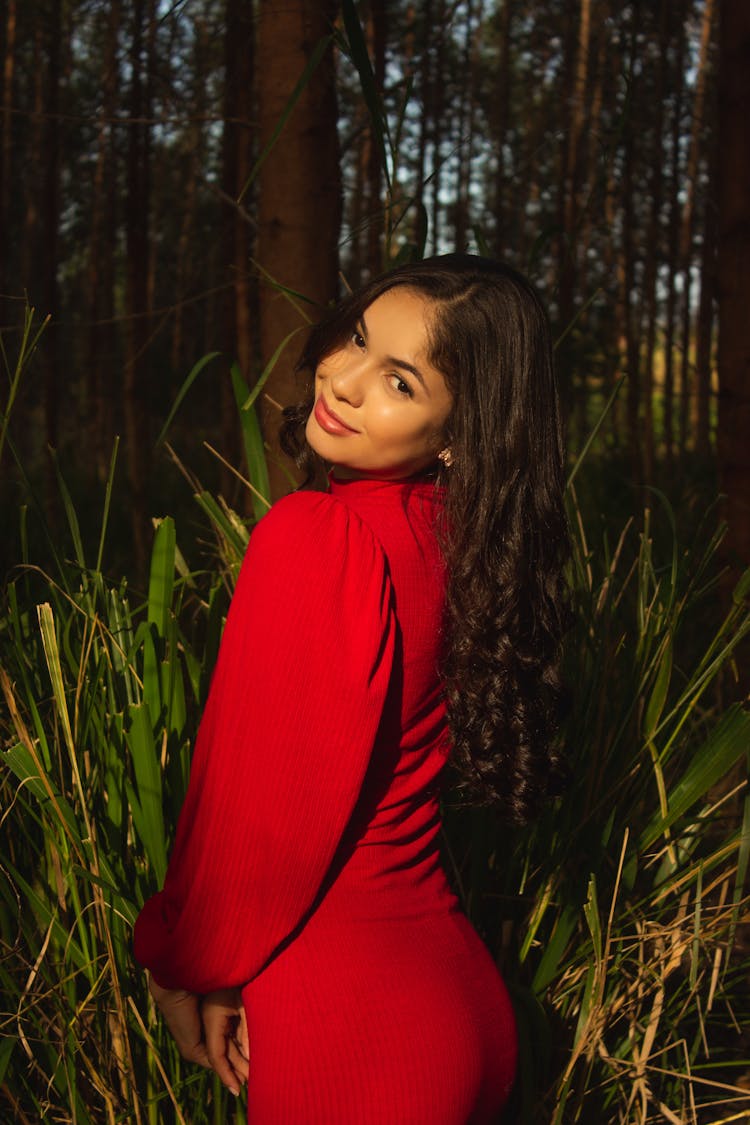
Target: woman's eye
[[358, 340], [400, 385]]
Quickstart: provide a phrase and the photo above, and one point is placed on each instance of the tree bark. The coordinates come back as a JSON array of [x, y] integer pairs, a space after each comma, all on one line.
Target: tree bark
[[138, 273], [502, 122], [237, 231], [425, 82], [6, 139], [194, 161], [734, 278], [705, 320], [101, 266], [437, 105], [300, 193], [376, 225], [51, 223], [653, 246], [464, 138], [688, 389], [673, 242], [630, 318]]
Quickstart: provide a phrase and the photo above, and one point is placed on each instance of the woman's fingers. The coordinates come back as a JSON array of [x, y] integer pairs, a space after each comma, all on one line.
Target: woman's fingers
[[181, 1014], [241, 1036], [221, 1012], [237, 1060]]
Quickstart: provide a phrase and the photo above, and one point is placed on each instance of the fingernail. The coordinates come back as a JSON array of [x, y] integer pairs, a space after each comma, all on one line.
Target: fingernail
[[233, 1091]]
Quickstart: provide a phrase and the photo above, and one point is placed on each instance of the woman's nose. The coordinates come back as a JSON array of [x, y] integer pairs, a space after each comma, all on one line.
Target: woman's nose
[[348, 383]]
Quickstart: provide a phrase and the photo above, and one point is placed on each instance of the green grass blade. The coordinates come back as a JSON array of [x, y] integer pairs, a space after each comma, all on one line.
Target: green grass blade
[[268, 369], [592, 436], [356, 47], [75, 530], [52, 654], [161, 579], [711, 761], [146, 797], [312, 64], [192, 376], [252, 439], [107, 503]]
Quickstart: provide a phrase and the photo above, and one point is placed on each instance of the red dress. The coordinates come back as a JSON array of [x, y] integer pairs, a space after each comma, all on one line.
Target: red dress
[[306, 867]]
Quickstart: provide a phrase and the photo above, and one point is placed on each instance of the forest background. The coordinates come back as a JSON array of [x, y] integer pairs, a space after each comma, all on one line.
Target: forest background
[[183, 186]]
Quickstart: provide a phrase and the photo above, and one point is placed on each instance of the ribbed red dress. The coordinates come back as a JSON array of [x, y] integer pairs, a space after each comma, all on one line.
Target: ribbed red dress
[[306, 867]]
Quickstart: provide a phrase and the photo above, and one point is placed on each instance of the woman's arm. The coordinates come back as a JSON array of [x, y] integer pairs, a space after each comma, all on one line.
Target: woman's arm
[[294, 708]]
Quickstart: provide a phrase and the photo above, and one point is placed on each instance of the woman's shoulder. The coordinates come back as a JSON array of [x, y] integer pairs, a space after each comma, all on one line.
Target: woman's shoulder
[[314, 525]]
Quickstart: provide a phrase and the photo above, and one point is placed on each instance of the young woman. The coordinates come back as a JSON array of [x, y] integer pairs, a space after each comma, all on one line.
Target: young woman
[[410, 614]]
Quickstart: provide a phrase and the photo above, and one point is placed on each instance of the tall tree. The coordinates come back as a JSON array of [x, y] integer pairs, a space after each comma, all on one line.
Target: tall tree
[[653, 244], [734, 276], [673, 243], [138, 288], [237, 231], [6, 137], [300, 194], [102, 249], [689, 220], [377, 36], [502, 122], [55, 29]]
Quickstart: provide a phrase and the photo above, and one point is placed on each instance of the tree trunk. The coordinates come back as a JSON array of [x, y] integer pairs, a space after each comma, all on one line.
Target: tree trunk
[[705, 319], [573, 103], [463, 139], [734, 278], [51, 224], [238, 233], [653, 246], [194, 158], [425, 81], [673, 242], [6, 142], [688, 391], [374, 162], [101, 269], [629, 319], [137, 285], [502, 122], [437, 100], [358, 223], [300, 193]]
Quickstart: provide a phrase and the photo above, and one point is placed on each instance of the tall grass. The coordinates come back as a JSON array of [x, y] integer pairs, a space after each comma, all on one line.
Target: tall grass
[[616, 917]]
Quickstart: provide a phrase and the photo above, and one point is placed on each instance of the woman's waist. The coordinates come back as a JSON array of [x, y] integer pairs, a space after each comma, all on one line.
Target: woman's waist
[[382, 881]]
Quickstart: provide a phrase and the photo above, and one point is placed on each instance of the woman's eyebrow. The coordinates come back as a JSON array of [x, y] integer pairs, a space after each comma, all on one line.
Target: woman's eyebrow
[[392, 360]]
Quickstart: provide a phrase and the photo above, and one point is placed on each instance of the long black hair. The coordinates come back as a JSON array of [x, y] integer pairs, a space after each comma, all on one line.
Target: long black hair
[[504, 532]]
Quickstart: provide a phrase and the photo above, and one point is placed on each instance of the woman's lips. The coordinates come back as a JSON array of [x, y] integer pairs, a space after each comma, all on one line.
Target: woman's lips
[[329, 421]]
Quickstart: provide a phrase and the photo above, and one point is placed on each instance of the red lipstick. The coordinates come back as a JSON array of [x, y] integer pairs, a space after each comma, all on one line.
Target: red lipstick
[[329, 421]]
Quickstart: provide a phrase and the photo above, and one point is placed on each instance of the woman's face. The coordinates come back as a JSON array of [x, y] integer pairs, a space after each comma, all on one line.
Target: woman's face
[[380, 406]]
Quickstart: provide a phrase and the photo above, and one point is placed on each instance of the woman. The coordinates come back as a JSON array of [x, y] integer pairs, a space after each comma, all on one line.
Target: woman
[[412, 612]]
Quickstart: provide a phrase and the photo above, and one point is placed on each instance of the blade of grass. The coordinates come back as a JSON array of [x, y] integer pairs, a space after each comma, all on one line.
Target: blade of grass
[[195, 371]]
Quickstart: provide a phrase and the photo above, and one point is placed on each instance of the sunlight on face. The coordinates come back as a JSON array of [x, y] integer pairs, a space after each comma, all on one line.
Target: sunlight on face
[[380, 406]]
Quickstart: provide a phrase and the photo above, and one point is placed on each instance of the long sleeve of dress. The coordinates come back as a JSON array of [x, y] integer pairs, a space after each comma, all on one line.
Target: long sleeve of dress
[[282, 749]]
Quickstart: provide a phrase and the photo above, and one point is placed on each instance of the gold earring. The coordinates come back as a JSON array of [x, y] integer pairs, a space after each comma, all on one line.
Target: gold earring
[[446, 457]]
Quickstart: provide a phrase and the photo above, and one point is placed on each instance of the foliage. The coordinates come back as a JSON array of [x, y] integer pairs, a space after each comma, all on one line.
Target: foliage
[[476, 122], [615, 917], [618, 917], [625, 900]]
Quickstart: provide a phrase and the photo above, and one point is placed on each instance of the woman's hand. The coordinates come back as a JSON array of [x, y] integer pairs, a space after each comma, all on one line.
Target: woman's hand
[[225, 1031], [181, 1012]]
